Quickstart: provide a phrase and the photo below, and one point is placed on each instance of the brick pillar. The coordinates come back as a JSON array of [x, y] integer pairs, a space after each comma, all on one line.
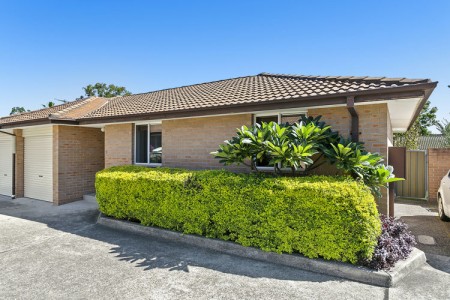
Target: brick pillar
[[19, 171]]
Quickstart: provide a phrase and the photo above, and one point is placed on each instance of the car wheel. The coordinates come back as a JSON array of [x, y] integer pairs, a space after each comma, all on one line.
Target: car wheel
[[441, 212]]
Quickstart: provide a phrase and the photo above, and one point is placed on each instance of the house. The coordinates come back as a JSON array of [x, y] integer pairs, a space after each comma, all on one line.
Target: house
[[431, 141], [53, 153]]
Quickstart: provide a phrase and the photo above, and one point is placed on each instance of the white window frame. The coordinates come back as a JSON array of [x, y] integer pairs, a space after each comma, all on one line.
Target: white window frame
[[148, 163], [279, 116]]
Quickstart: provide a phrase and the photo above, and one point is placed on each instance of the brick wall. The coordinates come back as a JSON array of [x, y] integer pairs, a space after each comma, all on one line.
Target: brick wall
[[19, 167], [78, 153], [118, 145], [375, 132], [438, 166], [187, 143]]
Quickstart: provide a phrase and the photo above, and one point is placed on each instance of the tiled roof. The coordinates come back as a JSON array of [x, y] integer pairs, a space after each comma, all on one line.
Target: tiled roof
[[249, 90], [243, 90], [431, 141], [67, 111]]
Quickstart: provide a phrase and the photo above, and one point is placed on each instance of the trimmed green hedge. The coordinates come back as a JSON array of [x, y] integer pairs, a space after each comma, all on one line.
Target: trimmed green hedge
[[318, 216]]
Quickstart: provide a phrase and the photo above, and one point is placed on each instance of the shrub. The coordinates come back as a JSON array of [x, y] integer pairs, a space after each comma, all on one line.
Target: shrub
[[395, 243], [318, 216], [294, 146]]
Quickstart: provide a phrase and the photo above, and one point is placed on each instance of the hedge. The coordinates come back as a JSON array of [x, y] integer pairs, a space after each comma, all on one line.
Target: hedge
[[318, 216]]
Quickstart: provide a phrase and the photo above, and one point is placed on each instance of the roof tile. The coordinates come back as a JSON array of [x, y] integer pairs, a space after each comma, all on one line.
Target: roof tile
[[250, 89]]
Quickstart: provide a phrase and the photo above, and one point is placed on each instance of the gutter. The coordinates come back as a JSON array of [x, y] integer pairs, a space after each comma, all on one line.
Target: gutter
[[35, 122], [355, 118], [4, 132]]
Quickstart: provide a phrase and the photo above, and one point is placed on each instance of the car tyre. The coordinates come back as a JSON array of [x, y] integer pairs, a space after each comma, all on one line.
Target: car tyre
[[441, 212]]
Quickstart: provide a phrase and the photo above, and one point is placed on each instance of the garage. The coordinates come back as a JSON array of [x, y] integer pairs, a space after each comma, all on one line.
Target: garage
[[7, 146], [38, 163]]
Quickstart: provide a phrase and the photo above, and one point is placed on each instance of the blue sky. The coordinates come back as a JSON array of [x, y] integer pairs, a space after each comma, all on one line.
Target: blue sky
[[51, 49]]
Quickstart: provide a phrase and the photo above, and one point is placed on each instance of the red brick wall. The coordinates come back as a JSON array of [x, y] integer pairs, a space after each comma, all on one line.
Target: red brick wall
[[78, 153], [438, 166], [118, 145], [187, 143]]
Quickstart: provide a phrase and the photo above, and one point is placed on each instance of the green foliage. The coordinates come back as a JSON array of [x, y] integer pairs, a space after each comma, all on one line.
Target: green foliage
[[427, 118], [362, 165], [285, 145], [444, 128], [408, 139], [318, 216], [293, 146], [17, 110], [104, 90], [49, 104]]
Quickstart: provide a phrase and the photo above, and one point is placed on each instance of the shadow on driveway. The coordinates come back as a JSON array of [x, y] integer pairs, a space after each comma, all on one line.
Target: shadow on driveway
[[79, 218]]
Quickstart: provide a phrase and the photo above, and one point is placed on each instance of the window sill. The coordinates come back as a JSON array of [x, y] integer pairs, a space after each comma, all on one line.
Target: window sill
[[270, 169], [151, 165]]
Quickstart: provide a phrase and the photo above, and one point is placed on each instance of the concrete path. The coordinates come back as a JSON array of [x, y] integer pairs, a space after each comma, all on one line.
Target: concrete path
[[423, 221], [49, 252]]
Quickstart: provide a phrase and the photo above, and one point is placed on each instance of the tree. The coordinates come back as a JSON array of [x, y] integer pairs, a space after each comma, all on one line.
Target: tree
[[104, 90], [410, 138], [17, 110], [49, 104], [427, 118], [444, 129]]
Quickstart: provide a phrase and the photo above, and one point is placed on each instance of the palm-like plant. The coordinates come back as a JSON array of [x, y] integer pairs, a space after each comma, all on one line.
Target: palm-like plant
[[295, 146], [444, 129]]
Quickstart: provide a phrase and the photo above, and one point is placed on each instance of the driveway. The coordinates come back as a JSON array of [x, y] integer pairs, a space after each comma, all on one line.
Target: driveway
[[49, 252], [432, 234]]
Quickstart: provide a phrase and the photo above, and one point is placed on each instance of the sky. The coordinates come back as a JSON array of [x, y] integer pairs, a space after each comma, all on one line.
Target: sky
[[49, 50]]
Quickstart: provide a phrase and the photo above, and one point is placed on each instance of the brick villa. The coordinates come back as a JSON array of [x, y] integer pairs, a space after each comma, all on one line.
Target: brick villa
[[53, 154]]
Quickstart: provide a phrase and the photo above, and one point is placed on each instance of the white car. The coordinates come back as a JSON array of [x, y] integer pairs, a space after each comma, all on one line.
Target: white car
[[443, 197]]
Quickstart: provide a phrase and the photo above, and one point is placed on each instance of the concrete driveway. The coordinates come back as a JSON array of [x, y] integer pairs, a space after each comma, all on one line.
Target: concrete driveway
[[49, 252], [432, 235]]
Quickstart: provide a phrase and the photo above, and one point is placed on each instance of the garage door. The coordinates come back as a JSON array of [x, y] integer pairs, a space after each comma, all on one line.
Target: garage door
[[38, 164], [6, 164]]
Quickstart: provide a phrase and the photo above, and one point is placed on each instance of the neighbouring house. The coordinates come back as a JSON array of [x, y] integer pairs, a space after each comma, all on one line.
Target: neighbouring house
[[431, 141], [52, 154]]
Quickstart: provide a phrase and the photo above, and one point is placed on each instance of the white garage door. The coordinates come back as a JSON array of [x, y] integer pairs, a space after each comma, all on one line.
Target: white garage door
[[38, 163], [6, 164]]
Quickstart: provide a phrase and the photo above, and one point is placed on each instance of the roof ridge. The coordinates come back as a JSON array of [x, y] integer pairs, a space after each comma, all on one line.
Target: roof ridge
[[56, 115], [107, 100], [41, 109], [349, 78]]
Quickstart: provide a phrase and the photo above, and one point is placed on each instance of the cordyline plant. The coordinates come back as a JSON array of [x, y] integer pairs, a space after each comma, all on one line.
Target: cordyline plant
[[302, 147]]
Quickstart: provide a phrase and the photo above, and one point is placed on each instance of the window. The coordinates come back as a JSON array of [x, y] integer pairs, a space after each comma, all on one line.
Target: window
[[266, 119], [265, 160], [148, 144], [280, 119]]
